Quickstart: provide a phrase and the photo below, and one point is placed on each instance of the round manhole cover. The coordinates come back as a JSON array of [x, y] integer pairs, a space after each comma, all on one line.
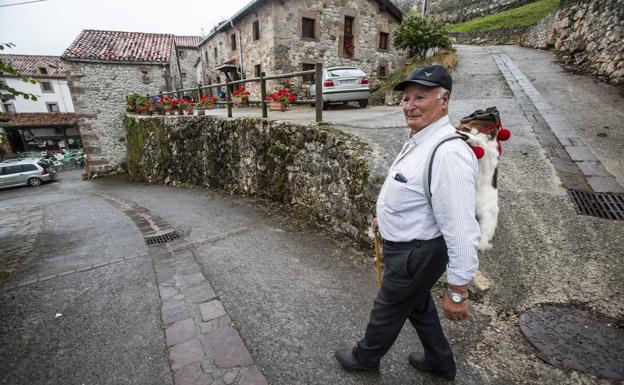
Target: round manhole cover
[[571, 338]]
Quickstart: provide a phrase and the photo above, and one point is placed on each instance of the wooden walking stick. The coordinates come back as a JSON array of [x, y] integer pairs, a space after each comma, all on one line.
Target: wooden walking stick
[[378, 256]]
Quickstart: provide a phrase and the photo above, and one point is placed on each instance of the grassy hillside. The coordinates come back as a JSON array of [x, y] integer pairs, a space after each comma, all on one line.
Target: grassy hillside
[[448, 58], [517, 17]]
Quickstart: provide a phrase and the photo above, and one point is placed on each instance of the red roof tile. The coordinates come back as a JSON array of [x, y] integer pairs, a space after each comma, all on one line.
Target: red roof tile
[[116, 46], [28, 64], [39, 119], [187, 41]]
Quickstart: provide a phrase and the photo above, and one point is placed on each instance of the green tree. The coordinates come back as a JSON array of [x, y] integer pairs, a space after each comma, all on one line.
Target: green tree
[[418, 35], [6, 70]]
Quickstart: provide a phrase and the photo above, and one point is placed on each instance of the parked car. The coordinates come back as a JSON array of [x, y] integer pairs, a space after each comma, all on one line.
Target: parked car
[[21, 172], [343, 84]]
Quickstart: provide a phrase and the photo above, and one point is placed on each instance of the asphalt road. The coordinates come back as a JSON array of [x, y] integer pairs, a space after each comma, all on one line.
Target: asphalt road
[[294, 292]]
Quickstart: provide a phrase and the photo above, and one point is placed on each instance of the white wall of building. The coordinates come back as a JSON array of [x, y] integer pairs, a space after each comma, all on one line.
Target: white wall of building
[[60, 96]]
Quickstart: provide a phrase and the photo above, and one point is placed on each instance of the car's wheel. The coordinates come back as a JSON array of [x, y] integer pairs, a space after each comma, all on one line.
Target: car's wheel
[[34, 182], [363, 103], [325, 106]]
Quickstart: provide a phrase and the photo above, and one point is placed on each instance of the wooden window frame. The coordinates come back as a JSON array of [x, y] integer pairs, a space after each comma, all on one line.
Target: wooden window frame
[[383, 66], [387, 41], [257, 70], [255, 30], [233, 44], [304, 20]]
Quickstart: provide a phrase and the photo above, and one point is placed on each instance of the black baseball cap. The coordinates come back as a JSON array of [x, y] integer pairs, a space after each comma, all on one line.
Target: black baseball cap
[[431, 76]]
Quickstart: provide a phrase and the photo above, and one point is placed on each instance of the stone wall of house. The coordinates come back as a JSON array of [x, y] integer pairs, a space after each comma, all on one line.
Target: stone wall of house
[[174, 70], [281, 48], [210, 60], [456, 11], [586, 35], [99, 94], [322, 173], [187, 58], [290, 50]]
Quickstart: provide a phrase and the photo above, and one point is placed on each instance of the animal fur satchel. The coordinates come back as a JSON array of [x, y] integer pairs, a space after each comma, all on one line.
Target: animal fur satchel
[[483, 131]]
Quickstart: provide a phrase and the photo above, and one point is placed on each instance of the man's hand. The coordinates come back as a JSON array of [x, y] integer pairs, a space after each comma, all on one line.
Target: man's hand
[[374, 225], [456, 311]]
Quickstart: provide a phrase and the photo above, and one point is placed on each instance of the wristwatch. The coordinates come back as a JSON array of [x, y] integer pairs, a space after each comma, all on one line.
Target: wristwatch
[[456, 297]]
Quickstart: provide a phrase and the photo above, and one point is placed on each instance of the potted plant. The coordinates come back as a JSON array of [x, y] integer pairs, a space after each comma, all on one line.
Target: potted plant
[[241, 96], [141, 104], [169, 105], [187, 106], [280, 100], [151, 105], [208, 102], [131, 101]]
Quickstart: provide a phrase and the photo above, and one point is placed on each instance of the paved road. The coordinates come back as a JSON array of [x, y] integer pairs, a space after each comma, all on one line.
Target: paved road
[[293, 292]]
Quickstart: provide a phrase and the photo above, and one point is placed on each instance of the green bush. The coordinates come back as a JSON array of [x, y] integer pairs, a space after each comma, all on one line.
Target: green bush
[[419, 35]]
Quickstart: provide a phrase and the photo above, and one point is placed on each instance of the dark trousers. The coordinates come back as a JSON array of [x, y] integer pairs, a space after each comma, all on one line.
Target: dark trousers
[[412, 268]]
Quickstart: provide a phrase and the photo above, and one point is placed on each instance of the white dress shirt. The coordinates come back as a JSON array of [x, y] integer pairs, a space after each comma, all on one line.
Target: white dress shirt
[[403, 213]]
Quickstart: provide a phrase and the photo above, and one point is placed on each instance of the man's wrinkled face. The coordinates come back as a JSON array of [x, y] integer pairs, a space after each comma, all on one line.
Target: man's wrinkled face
[[423, 106]]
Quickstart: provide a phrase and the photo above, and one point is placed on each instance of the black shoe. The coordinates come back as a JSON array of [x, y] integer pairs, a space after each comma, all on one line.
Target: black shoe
[[420, 363], [346, 357]]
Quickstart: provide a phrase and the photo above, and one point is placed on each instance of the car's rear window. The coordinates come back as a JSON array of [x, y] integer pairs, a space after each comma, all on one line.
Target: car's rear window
[[29, 167], [43, 164], [344, 72]]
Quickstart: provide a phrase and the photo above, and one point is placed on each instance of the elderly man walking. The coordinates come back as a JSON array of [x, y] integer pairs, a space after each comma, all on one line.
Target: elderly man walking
[[422, 240]]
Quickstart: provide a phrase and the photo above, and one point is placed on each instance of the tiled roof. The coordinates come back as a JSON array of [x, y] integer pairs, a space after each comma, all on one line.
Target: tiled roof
[[187, 41], [116, 46], [39, 119], [27, 64]]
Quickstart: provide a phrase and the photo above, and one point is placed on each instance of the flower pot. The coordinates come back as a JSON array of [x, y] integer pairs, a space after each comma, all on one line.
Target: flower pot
[[131, 107], [242, 101], [209, 106], [278, 106], [141, 109], [167, 108]]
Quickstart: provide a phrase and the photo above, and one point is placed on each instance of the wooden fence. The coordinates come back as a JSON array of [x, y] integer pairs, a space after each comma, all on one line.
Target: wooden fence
[[317, 101]]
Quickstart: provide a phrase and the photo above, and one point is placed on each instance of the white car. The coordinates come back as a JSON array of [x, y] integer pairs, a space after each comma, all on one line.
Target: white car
[[343, 84], [21, 172]]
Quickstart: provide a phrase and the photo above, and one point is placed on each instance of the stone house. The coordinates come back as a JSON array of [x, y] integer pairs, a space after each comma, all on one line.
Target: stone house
[[51, 90], [102, 68], [188, 56], [277, 36]]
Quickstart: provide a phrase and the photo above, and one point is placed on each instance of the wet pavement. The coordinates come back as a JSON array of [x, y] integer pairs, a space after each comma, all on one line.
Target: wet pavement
[[291, 292]]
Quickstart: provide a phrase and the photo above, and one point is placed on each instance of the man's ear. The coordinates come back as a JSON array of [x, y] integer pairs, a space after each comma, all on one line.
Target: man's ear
[[445, 100]]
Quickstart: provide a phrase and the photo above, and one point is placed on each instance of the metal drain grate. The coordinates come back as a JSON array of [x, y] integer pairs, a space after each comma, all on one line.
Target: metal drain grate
[[572, 338], [162, 238], [601, 205]]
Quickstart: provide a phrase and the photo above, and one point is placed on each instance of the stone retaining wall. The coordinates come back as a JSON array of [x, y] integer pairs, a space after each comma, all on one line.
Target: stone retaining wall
[[492, 37], [587, 35], [456, 11], [323, 173]]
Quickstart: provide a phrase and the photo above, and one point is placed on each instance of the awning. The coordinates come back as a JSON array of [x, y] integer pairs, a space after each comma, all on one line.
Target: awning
[[227, 67]]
